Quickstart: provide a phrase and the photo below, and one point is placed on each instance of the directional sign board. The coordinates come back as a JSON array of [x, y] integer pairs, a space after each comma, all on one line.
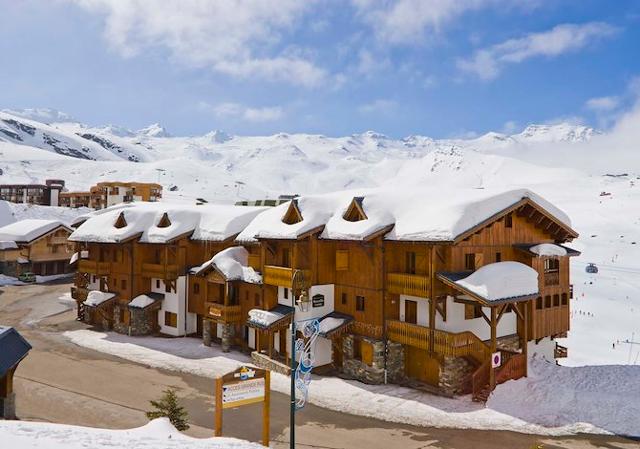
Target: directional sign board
[[246, 385]]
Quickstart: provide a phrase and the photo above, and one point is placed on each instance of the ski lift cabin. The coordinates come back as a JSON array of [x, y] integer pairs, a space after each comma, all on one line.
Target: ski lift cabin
[[591, 268]]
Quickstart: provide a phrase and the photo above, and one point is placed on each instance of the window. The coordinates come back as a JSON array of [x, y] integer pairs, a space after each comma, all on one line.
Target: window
[[123, 284], [168, 288], [470, 261], [564, 299], [472, 311], [360, 303], [547, 302], [286, 293], [158, 283], [342, 260], [556, 300], [508, 221], [344, 299], [551, 265], [498, 257], [286, 260], [170, 319], [410, 262], [196, 289], [539, 303]]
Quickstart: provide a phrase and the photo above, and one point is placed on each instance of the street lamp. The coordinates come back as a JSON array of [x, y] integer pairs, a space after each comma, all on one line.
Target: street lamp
[[298, 283]]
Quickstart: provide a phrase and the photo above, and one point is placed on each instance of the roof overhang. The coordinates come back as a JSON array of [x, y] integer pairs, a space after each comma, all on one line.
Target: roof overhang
[[524, 247], [451, 279]]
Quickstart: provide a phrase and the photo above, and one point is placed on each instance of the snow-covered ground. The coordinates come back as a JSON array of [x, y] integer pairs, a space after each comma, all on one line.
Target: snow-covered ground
[[8, 280], [157, 434], [400, 404]]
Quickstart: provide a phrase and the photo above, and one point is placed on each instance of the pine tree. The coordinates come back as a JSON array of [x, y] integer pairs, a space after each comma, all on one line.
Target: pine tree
[[169, 407]]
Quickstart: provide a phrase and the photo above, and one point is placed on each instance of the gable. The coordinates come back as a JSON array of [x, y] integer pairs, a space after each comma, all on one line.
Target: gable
[[293, 214], [355, 212]]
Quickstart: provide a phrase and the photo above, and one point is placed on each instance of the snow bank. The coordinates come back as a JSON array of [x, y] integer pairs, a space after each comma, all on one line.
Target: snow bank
[[157, 434], [548, 249], [385, 402], [606, 396], [28, 230], [233, 263], [502, 280], [96, 297]]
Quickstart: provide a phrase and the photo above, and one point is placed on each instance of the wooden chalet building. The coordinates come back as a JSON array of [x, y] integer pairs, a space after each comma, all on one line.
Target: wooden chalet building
[[37, 246], [451, 293]]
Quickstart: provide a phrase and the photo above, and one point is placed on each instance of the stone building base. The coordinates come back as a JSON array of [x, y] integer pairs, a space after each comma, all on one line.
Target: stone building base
[[207, 331], [118, 325], [395, 362], [228, 332], [8, 406], [357, 369], [141, 321], [454, 375]]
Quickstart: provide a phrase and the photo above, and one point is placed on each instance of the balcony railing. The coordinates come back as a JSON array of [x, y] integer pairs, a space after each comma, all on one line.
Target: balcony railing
[[408, 284], [445, 343], [551, 278], [281, 276], [225, 314], [94, 267], [160, 271]]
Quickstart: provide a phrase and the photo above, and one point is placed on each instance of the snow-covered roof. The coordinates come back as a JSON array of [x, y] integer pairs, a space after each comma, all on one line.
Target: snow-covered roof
[[548, 249], [96, 297], [84, 254], [142, 301], [500, 281], [233, 264], [25, 231], [10, 244], [204, 222], [422, 214], [266, 318]]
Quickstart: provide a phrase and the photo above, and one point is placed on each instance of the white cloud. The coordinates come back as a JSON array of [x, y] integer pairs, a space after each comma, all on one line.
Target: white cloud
[[235, 37], [378, 106], [603, 104], [250, 114], [407, 21], [488, 62]]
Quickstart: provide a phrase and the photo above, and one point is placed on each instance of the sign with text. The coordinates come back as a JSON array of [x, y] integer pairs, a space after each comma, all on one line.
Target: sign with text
[[246, 385], [317, 300]]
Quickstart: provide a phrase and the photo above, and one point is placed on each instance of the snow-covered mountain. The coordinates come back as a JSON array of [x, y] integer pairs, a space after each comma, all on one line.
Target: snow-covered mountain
[[593, 176]]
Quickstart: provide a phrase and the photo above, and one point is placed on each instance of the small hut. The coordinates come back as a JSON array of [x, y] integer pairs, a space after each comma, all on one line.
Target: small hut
[[13, 348]]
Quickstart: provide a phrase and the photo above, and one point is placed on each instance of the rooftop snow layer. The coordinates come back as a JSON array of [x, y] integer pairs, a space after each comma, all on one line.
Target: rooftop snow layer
[[28, 230], [142, 301], [96, 297], [205, 222], [418, 215], [233, 263], [8, 244], [501, 280], [548, 249]]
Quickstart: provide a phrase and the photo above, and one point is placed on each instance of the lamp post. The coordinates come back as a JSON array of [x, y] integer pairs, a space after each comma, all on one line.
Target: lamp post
[[297, 282]]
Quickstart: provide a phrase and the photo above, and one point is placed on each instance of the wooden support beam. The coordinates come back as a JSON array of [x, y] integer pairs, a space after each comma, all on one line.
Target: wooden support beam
[[503, 309], [494, 344]]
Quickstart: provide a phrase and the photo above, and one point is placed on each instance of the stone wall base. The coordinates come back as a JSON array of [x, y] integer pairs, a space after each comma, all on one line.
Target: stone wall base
[[8, 406], [368, 373], [454, 375], [395, 362]]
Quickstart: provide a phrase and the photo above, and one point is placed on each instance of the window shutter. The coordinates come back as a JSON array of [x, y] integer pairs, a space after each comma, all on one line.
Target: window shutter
[[342, 260]]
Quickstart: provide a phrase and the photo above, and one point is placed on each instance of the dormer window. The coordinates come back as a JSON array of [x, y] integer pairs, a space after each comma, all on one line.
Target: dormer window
[[355, 211], [293, 214], [120, 222], [164, 221]]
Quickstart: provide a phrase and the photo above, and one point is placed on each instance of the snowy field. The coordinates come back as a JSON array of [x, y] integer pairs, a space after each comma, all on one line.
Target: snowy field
[[158, 434], [404, 405]]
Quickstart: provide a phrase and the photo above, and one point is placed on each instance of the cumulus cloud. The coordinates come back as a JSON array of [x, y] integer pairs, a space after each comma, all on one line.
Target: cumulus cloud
[[603, 104], [235, 37], [487, 63], [250, 114]]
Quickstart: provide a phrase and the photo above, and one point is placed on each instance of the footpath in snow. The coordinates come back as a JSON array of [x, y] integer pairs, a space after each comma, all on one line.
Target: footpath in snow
[[514, 408], [158, 434]]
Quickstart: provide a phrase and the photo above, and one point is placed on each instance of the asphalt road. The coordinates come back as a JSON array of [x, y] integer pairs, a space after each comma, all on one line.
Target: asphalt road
[[61, 382]]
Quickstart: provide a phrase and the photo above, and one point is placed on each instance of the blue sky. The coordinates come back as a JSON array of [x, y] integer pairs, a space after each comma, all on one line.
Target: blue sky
[[434, 67]]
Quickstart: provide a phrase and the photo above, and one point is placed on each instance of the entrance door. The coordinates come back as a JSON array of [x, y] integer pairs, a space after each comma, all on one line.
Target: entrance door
[[420, 366], [410, 311]]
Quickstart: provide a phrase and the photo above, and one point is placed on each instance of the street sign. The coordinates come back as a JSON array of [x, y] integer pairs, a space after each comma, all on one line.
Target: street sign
[[496, 359], [244, 386]]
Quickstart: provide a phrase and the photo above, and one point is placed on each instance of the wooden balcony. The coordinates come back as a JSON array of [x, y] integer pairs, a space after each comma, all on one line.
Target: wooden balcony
[[281, 276], [160, 271], [224, 314], [551, 278], [408, 284], [94, 267], [550, 322], [460, 344]]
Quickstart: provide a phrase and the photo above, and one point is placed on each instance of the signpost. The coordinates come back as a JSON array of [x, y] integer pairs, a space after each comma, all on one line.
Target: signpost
[[241, 387]]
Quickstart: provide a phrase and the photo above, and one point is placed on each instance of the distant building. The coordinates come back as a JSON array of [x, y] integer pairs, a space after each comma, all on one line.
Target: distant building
[[105, 194], [267, 202], [47, 194], [13, 348], [37, 246]]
